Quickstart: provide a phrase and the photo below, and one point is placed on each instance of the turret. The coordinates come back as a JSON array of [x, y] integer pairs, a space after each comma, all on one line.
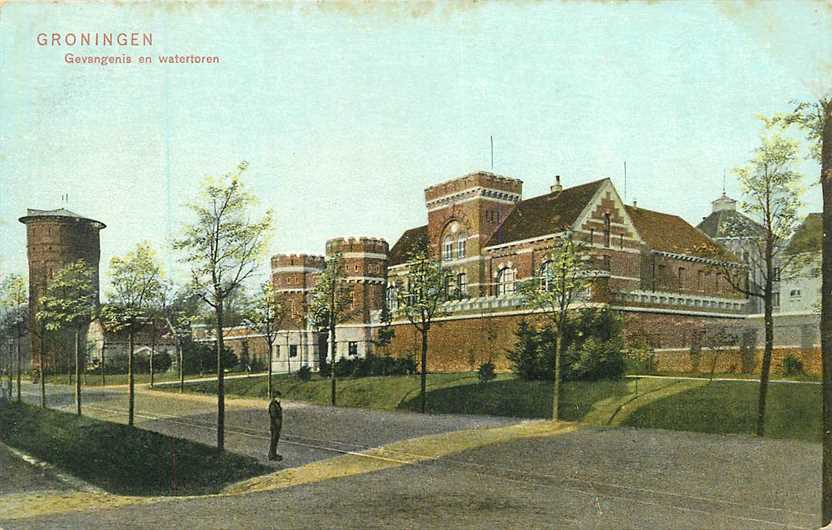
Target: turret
[[365, 267]]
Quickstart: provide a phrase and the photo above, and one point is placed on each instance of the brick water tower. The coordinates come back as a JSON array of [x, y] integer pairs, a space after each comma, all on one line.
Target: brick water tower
[[54, 239]]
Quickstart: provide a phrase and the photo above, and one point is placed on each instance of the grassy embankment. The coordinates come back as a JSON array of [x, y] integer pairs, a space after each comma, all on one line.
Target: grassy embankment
[[717, 407], [121, 459], [140, 379]]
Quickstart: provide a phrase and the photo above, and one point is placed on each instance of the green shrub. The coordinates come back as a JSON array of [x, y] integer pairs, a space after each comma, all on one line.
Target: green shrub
[[304, 373], [371, 365], [487, 372], [594, 348], [791, 365], [593, 360]]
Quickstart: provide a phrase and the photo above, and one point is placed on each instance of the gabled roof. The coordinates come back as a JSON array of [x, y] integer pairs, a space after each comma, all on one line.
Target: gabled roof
[[809, 235], [32, 213], [545, 214], [670, 233], [408, 241], [729, 223]]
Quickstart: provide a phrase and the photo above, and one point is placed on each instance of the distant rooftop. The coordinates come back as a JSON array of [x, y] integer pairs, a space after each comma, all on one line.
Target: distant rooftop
[[32, 213]]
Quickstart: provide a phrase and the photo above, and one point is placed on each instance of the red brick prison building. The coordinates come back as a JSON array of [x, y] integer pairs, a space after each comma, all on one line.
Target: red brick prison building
[[650, 266]]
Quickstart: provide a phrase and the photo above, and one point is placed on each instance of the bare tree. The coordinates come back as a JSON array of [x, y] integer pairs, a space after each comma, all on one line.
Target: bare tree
[[222, 248]]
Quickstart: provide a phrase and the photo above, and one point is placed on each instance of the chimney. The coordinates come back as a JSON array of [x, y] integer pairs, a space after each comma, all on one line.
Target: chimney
[[556, 187], [635, 203]]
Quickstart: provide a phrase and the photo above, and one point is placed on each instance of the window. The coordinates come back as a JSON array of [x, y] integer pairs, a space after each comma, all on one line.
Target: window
[[505, 281], [460, 246], [621, 241], [447, 288], [607, 229], [776, 274], [352, 348], [547, 275], [682, 272], [591, 236], [448, 249], [699, 276], [462, 285], [392, 300], [293, 350], [794, 293]]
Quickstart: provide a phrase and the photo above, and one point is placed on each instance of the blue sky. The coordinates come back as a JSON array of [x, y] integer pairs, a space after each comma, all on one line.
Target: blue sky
[[345, 114]]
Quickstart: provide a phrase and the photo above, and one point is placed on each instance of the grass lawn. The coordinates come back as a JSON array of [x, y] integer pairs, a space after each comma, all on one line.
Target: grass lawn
[[792, 410], [121, 459], [728, 407], [456, 393]]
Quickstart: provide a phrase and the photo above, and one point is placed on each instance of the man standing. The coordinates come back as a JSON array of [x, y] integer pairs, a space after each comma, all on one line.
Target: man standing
[[275, 424]]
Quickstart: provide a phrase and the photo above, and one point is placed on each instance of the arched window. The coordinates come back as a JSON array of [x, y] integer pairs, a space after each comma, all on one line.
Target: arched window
[[505, 281], [448, 249], [392, 301], [460, 245]]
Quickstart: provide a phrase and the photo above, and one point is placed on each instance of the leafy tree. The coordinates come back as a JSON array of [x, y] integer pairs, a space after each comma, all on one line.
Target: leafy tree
[[331, 304], [264, 313], [135, 284], [815, 119], [70, 302], [565, 275], [14, 298], [421, 301], [178, 309], [222, 247], [771, 197]]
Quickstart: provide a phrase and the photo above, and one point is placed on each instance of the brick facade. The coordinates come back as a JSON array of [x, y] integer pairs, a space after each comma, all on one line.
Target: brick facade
[[55, 239]]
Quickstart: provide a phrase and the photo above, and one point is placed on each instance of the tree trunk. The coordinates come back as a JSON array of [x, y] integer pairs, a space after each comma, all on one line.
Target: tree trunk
[[103, 349], [152, 353], [769, 344], [9, 367], [42, 367], [77, 371], [19, 366], [181, 366], [424, 375], [271, 348], [826, 308], [220, 381], [131, 384], [556, 382], [332, 363]]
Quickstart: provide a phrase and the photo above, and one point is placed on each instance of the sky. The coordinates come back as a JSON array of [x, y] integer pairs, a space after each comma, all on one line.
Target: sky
[[346, 112]]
